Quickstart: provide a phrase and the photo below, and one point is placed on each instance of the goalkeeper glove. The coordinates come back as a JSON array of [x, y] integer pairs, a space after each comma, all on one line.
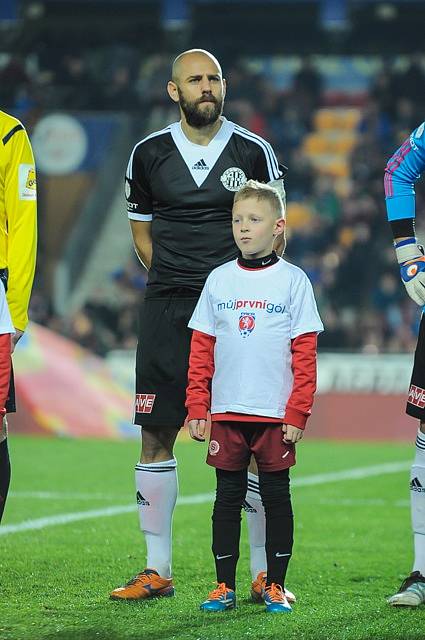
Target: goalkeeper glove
[[411, 259]]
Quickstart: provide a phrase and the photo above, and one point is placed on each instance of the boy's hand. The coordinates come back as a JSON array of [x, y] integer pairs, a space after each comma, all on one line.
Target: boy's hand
[[197, 429], [291, 433]]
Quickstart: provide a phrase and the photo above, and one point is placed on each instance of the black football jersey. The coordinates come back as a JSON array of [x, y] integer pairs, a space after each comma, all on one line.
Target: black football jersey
[[187, 191]]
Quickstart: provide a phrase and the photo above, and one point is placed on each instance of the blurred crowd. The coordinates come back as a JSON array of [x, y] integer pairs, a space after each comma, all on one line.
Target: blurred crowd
[[345, 246]]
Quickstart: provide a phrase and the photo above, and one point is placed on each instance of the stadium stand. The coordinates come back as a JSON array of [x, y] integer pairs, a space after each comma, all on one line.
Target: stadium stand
[[333, 120]]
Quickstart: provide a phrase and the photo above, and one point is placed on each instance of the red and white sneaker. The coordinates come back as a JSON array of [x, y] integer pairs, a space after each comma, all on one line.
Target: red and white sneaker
[[257, 590], [275, 599]]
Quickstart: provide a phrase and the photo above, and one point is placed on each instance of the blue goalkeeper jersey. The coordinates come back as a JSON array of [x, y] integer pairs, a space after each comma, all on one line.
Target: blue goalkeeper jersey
[[401, 173]]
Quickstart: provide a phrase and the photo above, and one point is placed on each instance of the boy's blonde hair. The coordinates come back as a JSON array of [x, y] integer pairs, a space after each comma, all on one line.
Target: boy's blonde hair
[[264, 192]]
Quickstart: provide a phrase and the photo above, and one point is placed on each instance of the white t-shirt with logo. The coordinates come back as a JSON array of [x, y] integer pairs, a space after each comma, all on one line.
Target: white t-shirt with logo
[[254, 315], [6, 325]]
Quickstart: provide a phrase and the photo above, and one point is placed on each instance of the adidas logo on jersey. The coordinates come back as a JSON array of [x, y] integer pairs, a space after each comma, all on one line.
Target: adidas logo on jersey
[[141, 500], [415, 485], [201, 164]]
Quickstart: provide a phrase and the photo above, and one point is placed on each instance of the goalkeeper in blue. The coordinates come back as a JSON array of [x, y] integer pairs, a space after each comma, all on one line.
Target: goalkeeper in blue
[[401, 173]]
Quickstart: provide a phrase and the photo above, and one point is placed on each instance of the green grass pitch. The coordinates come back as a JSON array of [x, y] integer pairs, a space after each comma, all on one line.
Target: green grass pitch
[[352, 548]]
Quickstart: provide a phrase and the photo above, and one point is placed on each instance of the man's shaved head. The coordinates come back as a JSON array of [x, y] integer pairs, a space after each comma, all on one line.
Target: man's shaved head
[[191, 54], [198, 87]]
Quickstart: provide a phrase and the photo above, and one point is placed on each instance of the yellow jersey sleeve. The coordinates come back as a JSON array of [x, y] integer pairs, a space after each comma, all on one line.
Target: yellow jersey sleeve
[[20, 202]]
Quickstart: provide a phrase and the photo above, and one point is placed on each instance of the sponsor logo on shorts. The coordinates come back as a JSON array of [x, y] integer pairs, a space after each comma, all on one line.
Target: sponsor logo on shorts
[[416, 396], [246, 324], [144, 402], [213, 448]]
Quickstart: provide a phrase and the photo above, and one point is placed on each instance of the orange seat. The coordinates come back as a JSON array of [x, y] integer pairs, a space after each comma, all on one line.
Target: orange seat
[[298, 215]]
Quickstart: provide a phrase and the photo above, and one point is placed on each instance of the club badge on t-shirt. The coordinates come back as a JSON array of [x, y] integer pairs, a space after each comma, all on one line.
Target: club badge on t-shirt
[[246, 324]]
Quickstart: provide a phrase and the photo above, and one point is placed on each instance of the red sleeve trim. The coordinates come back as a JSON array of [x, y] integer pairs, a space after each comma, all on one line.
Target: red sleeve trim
[[201, 371], [304, 368], [4, 369]]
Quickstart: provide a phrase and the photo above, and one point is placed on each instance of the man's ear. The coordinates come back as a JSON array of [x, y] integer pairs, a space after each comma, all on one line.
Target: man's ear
[[172, 91]]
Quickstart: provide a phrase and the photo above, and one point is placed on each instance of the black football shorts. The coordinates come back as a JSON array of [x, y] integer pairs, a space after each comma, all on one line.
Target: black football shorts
[[416, 398], [162, 361]]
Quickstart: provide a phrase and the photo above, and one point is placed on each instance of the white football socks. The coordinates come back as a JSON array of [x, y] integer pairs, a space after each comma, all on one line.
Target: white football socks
[[156, 486], [417, 503], [256, 520]]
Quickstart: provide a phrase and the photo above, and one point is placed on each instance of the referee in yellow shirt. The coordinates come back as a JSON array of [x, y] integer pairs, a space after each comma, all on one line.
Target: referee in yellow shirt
[[18, 246]]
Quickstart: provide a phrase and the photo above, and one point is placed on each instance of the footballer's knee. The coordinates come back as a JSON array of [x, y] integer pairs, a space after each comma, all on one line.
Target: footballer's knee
[[157, 444]]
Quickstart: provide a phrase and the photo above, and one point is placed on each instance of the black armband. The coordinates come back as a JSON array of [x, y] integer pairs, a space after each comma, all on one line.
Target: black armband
[[403, 228]]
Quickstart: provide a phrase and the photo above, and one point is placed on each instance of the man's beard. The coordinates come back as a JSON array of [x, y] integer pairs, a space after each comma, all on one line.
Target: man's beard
[[197, 116]]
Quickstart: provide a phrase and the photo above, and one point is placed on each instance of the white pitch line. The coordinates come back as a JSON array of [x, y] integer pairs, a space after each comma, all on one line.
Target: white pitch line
[[322, 478], [351, 474], [64, 518], [353, 502], [58, 495]]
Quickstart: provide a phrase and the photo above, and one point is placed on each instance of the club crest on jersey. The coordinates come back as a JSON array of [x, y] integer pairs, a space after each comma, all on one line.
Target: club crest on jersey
[[233, 179], [246, 324]]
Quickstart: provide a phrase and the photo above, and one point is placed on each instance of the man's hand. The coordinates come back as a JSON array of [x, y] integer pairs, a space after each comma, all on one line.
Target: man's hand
[[291, 434], [411, 259], [14, 339], [197, 429]]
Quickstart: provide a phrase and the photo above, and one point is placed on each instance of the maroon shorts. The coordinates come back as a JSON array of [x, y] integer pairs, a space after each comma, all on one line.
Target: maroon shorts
[[233, 443]]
